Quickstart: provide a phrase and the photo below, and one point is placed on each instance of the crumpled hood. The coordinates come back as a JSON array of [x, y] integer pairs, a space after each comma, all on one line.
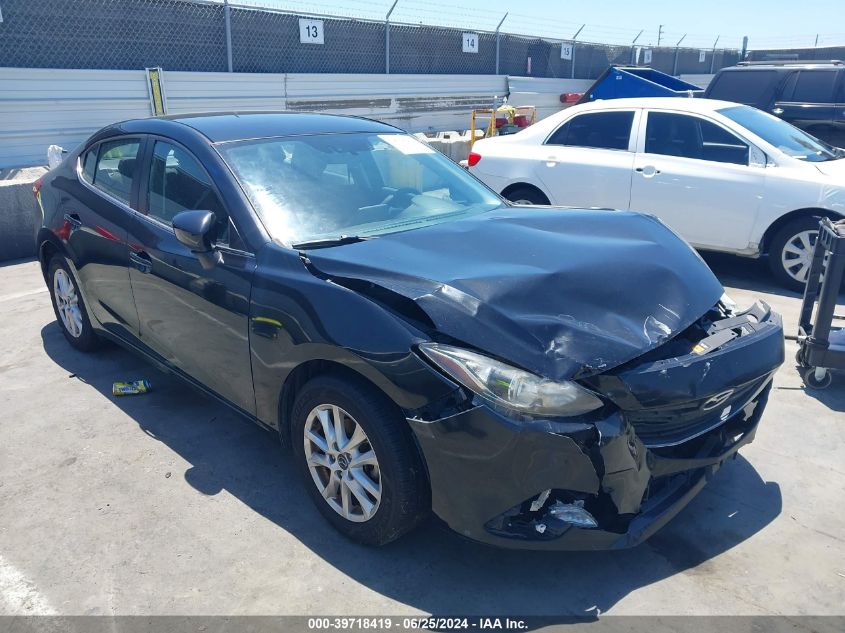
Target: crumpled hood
[[562, 293]]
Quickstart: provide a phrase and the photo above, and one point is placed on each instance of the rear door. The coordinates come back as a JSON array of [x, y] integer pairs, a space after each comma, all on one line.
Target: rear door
[[97, 210], [193, 314], [587, 161], [694, 174], [808, 101]]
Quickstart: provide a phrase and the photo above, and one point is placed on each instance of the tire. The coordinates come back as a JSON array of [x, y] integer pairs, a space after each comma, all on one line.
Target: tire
[[65, 295], [527, 195], [398, 472], [810, 380], [788, 242]]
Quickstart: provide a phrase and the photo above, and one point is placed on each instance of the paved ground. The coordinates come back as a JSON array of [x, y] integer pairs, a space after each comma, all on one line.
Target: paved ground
[[170, 504]]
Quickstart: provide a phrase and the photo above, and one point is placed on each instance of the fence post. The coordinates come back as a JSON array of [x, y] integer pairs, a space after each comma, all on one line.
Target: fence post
[[228, 18], [572, 61], [633, 48], [498, 37], [387, 38], [677, 49], [713, 59]]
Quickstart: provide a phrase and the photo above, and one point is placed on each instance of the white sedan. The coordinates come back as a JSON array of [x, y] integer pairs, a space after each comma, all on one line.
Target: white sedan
[[726, 177]]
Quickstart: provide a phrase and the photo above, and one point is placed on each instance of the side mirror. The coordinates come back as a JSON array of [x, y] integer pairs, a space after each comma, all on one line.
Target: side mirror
[[194, 229]]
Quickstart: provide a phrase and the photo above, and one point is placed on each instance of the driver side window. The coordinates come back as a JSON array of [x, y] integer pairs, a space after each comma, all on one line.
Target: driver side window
[[179, 183], [685, 136]]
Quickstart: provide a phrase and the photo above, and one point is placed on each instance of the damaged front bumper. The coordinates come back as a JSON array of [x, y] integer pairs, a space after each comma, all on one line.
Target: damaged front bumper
[[518, 484]]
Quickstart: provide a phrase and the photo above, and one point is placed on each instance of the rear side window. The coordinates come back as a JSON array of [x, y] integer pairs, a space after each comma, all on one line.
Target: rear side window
[[116, 168], [179, 183], [751, 87], [89, 164], [814, 86], [602, 130]]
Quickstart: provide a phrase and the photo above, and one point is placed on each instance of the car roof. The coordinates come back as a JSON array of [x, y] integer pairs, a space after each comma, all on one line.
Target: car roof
[[220, 127], [685, 104]]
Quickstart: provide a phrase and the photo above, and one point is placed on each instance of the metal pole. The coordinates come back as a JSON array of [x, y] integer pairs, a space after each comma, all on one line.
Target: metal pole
[[744, 47], [227, 15], [677, 48], [497, 41], [816, 45], [387, 38], [572, 61], [632, 46], [659, 35], [713, 59]]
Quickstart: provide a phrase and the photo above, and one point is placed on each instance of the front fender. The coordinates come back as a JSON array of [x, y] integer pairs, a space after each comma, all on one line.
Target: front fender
[[297, 317]]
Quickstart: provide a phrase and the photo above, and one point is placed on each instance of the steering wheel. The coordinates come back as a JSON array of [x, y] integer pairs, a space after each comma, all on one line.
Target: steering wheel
[[401, 194]]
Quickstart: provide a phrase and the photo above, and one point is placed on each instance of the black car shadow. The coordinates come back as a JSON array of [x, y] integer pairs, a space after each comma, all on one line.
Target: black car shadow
[[431, 569], [746, 273]]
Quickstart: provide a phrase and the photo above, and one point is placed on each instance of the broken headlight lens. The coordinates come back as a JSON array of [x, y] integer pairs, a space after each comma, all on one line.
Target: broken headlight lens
[[508, 386]]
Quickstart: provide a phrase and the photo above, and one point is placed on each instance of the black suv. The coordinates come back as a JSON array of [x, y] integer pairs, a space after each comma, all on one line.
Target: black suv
[[810, 95]]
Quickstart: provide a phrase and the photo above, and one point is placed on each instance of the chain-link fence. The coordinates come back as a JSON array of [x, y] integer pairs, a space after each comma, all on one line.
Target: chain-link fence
[[212, 35]]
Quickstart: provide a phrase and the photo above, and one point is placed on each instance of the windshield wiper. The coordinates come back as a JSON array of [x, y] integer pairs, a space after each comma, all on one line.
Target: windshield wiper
[[330, 241]]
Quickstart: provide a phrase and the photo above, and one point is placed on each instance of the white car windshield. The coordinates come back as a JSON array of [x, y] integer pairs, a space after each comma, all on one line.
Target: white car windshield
[[331, 187], [787, 138]]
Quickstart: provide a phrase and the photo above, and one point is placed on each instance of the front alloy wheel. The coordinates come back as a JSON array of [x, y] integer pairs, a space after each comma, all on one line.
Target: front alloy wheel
[[358, 459], [791, 252], [342, 463], [797, 255]]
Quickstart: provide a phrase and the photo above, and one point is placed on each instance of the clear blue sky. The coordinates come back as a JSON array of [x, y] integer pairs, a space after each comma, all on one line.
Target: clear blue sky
[[768, 24]]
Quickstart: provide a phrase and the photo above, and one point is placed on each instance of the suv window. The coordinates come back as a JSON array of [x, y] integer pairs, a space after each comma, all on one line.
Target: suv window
[[603, 130], [813, 86], [178, 183], [691, 137], [751, 87], [116, 166]]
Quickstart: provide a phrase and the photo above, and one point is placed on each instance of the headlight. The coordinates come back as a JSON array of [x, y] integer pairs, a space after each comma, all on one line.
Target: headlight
[[508, 386]]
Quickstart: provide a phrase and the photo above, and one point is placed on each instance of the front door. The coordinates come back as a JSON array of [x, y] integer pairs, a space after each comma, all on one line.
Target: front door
[[696, 176], [194, 313], [808, 101]]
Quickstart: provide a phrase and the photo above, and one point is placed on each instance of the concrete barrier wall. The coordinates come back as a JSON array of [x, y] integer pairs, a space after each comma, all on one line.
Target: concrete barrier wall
[[20, 216]]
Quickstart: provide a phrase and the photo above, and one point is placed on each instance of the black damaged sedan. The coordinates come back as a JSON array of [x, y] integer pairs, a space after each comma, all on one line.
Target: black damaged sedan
[[535, 377]]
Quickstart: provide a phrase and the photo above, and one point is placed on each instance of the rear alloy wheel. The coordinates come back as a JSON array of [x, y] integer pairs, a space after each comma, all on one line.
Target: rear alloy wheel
[[791, 253], [527, 196], [358, 459], [70, 307]]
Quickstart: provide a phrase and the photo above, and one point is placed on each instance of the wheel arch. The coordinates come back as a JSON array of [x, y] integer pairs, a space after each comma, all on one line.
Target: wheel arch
[[524, 185], [304, 372], [48, 246], [797, 214]]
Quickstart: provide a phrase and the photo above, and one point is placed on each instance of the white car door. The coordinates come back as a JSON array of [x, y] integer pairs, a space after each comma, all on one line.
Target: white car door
[[588, 160], [701, 179]]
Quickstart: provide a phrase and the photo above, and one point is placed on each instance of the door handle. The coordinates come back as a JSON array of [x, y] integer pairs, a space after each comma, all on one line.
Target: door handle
[[648, 171], [74, 220], [777, 111], [141, 261]]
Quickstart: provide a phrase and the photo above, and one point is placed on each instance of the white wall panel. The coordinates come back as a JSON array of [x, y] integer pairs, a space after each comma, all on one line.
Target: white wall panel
[[40, 107]]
